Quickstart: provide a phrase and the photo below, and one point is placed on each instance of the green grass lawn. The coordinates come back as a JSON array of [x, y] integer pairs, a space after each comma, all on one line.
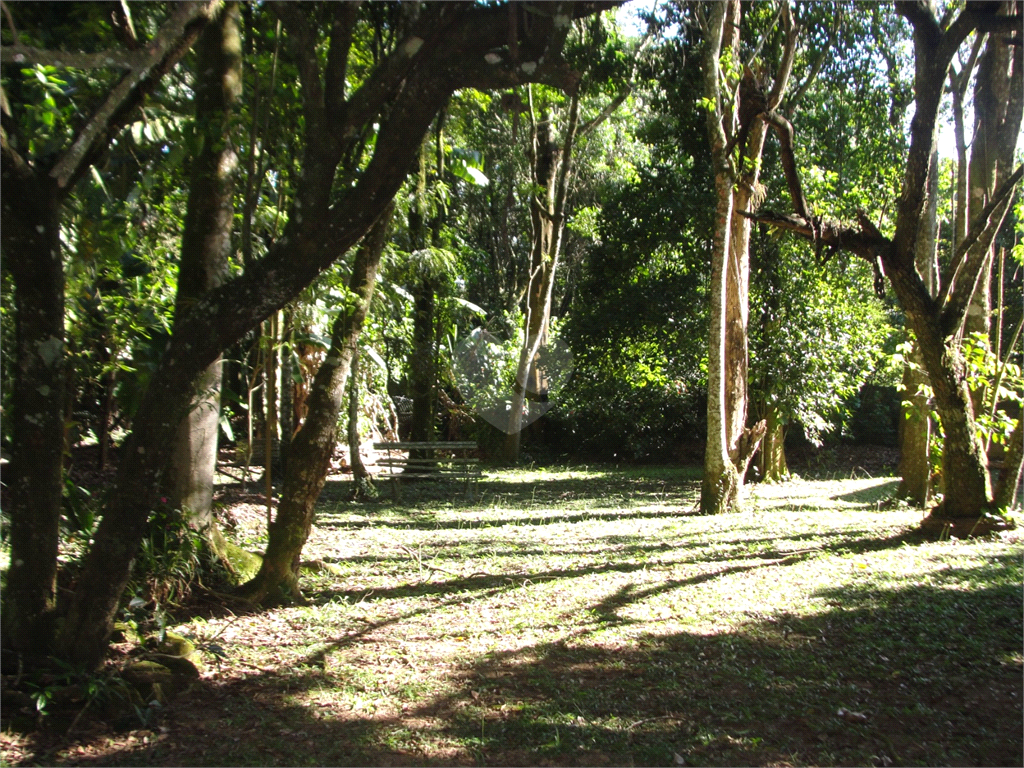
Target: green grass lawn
[[589, 617]]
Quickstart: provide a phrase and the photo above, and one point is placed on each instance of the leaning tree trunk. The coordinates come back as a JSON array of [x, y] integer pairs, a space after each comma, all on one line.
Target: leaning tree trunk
[[32, 253], [205, 249], [313, 445]]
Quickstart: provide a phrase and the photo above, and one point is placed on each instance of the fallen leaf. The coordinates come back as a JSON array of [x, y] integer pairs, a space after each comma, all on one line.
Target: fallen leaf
[[852, 717]]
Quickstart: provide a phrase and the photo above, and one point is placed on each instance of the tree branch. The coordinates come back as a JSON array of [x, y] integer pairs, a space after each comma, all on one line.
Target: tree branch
[[23, 54], [865, 242], [164, 46], [301, 42], [784, 130], [963, 271], [342, 25]]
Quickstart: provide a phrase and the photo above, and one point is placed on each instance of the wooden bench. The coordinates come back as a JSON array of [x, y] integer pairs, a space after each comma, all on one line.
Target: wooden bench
[[442, 460]]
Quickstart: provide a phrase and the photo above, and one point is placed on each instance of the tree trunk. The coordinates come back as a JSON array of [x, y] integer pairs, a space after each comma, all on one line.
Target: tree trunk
[[32, 253], [362, 487], [205, 249], [915, 436], [731, 444], [773, 449], [313, 445], [1009, 479], [287, 411], [551, 167]]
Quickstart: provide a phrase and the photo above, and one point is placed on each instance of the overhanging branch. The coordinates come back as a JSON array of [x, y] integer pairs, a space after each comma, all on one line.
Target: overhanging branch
[[164, 44], [23, 54], [866, 242]]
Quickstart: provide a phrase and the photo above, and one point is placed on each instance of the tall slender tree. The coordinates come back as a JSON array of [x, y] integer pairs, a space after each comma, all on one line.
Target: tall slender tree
[[733, 122], [936, 322]]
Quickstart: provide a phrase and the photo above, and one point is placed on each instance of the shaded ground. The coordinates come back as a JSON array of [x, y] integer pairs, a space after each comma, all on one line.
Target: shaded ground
[[587, 617]]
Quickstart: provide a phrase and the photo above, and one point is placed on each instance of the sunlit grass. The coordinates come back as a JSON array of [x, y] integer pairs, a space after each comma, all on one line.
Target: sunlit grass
[[569, 616]]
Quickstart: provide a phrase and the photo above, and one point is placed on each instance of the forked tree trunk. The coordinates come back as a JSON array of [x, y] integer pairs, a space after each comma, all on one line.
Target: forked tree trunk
[[731, 443], [205, 249], [313, 445]]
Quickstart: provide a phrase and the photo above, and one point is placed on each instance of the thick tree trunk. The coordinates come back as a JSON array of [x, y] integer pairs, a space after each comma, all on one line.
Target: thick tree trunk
[[205, 249], [313, 445], [32, 254], [964, 465]]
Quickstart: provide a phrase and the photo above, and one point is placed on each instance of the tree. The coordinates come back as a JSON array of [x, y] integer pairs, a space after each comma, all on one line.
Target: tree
[[205, 248], [551, 174], [313, 445], [733, 123], [935, 322], [43, 160], [434, 50]]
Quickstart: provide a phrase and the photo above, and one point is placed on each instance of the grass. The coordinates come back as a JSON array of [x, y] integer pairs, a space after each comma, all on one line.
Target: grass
[[587, 617]]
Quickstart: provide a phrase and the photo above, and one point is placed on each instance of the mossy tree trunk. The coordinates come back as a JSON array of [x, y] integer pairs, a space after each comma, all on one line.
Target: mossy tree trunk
[[313, 445]]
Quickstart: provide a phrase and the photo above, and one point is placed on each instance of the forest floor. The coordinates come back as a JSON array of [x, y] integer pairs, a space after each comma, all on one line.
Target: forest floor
[[588, 616]]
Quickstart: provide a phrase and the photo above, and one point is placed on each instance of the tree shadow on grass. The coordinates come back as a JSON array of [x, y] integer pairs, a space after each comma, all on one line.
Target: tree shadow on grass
[[871, 496], [922, 668]]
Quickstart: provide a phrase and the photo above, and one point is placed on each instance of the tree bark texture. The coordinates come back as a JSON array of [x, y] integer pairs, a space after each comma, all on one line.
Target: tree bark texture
[[446, 49], [727, 419], [915, 436], [31, 228], [205, 249], [314, 443]]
